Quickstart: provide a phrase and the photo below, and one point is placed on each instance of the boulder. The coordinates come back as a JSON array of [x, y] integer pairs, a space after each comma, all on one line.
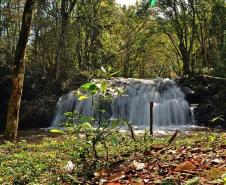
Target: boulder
[[208, 93]]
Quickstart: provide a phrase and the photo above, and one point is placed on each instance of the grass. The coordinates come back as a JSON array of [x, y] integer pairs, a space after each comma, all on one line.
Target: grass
[[44, 161]]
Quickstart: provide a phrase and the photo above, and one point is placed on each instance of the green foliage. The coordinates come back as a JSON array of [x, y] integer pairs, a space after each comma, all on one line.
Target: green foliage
[[99, 88], [57, 131], [192, 181], [168, 182], [44, 162], [136, 40], [93, 133], [217, 119]]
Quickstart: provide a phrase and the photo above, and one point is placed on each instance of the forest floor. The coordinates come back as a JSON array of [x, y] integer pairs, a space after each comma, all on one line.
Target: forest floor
[[51, 158]]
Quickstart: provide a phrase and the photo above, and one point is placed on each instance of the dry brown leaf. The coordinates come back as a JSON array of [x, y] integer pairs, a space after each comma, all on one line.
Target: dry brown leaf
[[157, 147], [196, 162], [137, 165], [116, 177], [101, 173], [187, 165], [215, 173]]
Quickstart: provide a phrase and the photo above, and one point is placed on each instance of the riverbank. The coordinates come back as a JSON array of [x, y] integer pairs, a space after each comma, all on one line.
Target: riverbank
[[53, 158]]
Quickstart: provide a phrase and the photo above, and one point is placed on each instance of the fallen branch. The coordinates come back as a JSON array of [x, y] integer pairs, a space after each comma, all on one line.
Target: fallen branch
[[172, 138]]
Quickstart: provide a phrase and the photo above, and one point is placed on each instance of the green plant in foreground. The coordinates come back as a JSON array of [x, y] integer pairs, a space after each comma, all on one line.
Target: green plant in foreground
[[93, 132]]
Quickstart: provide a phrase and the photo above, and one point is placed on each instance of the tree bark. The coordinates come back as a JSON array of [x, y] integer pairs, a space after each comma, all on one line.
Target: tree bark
[[182, 14], [18, 73], [67, 7], [186, 62], [61, 45]]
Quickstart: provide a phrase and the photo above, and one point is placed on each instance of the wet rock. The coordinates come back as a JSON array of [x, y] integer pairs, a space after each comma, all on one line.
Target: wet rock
[[209, 95]]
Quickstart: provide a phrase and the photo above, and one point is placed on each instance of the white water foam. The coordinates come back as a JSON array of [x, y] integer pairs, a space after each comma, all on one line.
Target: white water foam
[[170, 109]]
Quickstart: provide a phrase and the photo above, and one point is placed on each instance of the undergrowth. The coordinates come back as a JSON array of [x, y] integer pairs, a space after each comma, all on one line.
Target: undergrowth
[[47, 162]]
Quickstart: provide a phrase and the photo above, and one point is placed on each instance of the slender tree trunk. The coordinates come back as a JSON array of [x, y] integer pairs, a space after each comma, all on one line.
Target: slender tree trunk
[[18, 73], [79, 47], [186, 64], [185, 58], [61, 44], [66, 10], [186, 67]]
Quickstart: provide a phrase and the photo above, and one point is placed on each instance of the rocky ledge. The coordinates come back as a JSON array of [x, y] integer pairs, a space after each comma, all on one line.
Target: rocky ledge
[[207, 95]]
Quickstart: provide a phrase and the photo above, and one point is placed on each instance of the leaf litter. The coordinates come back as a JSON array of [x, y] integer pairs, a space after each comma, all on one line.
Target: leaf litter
[[199, 162]]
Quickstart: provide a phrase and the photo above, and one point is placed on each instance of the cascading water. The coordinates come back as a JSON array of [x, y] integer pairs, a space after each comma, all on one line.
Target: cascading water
[[170, 109]]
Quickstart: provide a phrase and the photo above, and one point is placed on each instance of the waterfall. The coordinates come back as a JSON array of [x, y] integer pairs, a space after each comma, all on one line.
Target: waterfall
[[170, 109]]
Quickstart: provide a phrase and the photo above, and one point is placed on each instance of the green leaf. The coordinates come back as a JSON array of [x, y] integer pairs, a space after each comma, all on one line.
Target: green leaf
[[84, 119], [86, 86], [85, 127], [112, 74], [193, 181], [57, 131], [212, 138], [224, 179], [103, 86], [114, 123], [217, 119], [217, 181], [114, 140], [168, 182], [152, 3], [92, 87], [82, 97]]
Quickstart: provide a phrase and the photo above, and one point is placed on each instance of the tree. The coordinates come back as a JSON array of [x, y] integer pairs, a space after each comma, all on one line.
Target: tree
[[18, 73], [66, 9], [217, 30], [180, 17], [94, 28]]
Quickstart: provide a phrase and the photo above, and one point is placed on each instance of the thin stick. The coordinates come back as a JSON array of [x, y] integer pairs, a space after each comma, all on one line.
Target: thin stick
[[151, 118]]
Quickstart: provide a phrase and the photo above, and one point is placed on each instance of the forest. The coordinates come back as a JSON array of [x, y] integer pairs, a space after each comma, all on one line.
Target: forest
[[112, 92]]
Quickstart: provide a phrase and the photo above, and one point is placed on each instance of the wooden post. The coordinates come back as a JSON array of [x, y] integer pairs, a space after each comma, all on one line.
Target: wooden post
[[151, 118]]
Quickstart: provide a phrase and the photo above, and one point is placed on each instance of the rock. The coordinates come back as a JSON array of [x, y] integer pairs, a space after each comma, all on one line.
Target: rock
[[209, 95], [37, 113]]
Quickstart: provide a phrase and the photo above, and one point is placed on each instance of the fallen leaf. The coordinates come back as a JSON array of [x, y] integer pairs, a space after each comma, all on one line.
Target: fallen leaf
[[116, 177], [215, 173], [187, 165], [137, 165], [217, 161], [101, 173]]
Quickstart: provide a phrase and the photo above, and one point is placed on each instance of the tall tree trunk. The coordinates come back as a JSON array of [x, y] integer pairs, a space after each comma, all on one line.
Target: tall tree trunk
[[61, 44], [186, 63], [18, 73], [66, 10], [185, 57], [186, 67]]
